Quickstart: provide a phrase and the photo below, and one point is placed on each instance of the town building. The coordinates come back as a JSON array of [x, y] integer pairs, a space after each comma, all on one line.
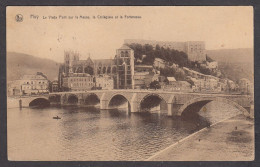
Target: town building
[[29, 84], [159, 63], [232, 86], [194, 49], [171, 80], [143, 76], [104, 82], [14, 88], [245, 86], [78, 82], [174, 85], [206, 85], [54, 86]]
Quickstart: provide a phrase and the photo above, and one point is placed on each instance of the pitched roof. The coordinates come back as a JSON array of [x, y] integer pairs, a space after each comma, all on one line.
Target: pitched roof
[[124, 47], [171, 79], [89, 59]]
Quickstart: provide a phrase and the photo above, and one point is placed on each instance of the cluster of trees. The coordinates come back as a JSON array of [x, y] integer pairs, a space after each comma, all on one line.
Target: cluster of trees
[[197, 67], [169, 55]]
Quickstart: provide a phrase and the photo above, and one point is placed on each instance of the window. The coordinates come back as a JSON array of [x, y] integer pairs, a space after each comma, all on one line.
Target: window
[[104, 70], [122, 54], [126, 53], [109, 69], [114, 70]]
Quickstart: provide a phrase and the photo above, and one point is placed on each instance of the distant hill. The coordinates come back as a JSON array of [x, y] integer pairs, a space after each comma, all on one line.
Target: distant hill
[[232, 55], [19, 64], [235, 63]]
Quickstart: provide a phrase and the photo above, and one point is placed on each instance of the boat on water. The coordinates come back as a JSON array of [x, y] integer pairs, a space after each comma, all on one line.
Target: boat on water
[[57, 117]]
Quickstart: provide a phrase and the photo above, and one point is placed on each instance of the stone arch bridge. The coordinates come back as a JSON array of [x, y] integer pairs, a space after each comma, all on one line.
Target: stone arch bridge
[[175, 102], [30, 101]]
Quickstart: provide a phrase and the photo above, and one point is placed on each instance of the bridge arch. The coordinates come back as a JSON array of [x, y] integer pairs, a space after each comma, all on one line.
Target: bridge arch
[[152, 100], [195, 105], [73, 99], [118, 101], [39, 102], [91, 99]]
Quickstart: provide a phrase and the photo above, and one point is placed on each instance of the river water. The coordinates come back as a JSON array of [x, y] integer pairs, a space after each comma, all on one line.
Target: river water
[[90, 134]]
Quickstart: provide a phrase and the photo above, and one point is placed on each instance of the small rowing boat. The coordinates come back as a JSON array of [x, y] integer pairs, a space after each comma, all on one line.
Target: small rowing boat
[[57, 117]]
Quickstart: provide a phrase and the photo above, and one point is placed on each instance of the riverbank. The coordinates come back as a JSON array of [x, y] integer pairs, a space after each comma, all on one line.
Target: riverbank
[[230, 140]]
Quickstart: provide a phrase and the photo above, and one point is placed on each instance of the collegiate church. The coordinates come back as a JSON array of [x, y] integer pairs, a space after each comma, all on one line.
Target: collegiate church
[[79, 74]]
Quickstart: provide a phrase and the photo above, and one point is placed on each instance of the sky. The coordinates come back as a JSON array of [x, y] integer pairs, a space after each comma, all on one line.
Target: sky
[[220, 27]]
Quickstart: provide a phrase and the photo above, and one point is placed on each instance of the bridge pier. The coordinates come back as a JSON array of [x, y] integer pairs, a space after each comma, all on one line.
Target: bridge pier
[[63, 99], [103, 102], [80, 101], [173, 109], [134, 103], [169, 108]]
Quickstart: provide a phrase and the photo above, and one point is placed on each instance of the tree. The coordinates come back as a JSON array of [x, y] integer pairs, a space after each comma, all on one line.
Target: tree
[[155, 85], [169, 55]]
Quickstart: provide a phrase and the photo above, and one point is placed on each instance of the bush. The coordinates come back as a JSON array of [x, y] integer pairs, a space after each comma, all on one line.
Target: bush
[[155, 85]]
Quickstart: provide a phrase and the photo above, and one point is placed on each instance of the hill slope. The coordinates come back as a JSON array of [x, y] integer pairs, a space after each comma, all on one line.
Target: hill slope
[[19, 64], [235, 63], [232, 55]]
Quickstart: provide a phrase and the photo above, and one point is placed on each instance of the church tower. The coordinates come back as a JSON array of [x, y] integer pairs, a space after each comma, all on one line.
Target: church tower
[[70, 58], [125, 67]]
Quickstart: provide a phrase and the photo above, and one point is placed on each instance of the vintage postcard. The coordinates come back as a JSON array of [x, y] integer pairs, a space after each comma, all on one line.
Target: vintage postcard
[[130, 83]]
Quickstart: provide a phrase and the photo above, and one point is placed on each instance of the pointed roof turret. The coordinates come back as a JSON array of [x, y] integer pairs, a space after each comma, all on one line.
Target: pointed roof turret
[[89, 59]]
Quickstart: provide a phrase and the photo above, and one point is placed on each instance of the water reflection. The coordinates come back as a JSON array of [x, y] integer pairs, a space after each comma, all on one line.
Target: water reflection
[[87, 133]]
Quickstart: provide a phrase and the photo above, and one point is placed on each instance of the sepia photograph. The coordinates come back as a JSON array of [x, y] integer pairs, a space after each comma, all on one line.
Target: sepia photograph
[[130, 83]]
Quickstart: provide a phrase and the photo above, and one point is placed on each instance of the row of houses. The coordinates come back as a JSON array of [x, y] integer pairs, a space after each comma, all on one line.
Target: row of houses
[[81, 81], [202, 82], [35, 84], [28, 85]]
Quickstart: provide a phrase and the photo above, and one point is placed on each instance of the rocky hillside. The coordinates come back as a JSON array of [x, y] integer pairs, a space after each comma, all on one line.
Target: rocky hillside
[[19, 64]]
